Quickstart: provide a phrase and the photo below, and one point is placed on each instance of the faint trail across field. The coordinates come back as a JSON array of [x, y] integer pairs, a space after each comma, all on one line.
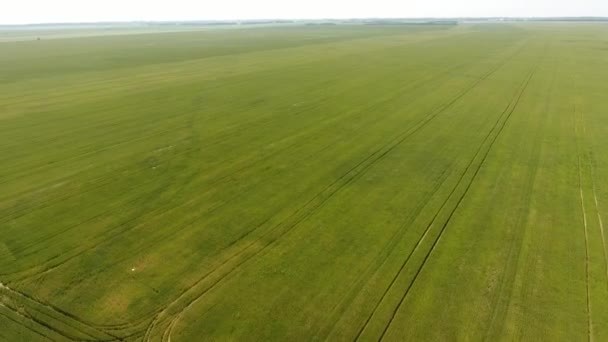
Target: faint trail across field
[[426, 231], [498, 127], [578, 121]]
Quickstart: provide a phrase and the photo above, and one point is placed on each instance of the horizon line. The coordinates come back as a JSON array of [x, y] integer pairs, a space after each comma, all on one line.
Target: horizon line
[[152, 21]]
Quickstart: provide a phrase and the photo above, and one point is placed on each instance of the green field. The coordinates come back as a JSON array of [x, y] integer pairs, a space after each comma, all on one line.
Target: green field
[[297, 183]]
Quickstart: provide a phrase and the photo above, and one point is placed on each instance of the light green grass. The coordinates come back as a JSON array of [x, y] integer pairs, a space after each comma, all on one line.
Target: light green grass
[[306, 183]]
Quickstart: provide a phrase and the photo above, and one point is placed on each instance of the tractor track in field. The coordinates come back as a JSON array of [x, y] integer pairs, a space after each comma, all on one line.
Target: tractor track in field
[[384, 254], [498, 127], [397, 236], [90, 153], [596, 202], [580, 133], [586, 235], [364, 165], [600, 222], [515, 245], [26, 316], [67, 319], [21, 323], [394, 279]]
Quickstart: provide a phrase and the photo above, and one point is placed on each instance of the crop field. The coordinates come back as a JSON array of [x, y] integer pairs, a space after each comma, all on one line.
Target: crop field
[[342, 183]]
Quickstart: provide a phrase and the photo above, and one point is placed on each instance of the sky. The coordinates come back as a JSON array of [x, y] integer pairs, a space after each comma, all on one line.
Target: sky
[[55, 11]]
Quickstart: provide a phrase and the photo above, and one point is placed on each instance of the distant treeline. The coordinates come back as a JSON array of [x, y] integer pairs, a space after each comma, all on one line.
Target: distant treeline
[[311, 22], [223, 23], [571, 19], [400, 22], [322, 24]]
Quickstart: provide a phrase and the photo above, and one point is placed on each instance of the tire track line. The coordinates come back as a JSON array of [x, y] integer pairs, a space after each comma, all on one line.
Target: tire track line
[[590, 324], [515, 245], [597, 207], [27, 316], [21, 323], [426, 231], [66, 318], [585, 228], [512, 106], [601, 223], [589, 321], [385, 253]]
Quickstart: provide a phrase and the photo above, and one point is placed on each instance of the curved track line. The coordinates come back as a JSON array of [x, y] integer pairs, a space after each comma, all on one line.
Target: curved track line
[[68, 319], [26, 316], [21, 323]]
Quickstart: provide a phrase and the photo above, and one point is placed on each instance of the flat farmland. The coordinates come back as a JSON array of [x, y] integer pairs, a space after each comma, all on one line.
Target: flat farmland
[[296, 183]]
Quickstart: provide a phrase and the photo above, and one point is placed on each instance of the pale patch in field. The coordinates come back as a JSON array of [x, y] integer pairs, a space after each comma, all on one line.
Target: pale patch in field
[[49, 187], [5, 253], [118, 300], [37, 191], [163, 149]]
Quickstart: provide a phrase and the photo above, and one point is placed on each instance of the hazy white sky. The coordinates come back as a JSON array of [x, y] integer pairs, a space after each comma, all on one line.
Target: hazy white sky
[[39, 11]]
